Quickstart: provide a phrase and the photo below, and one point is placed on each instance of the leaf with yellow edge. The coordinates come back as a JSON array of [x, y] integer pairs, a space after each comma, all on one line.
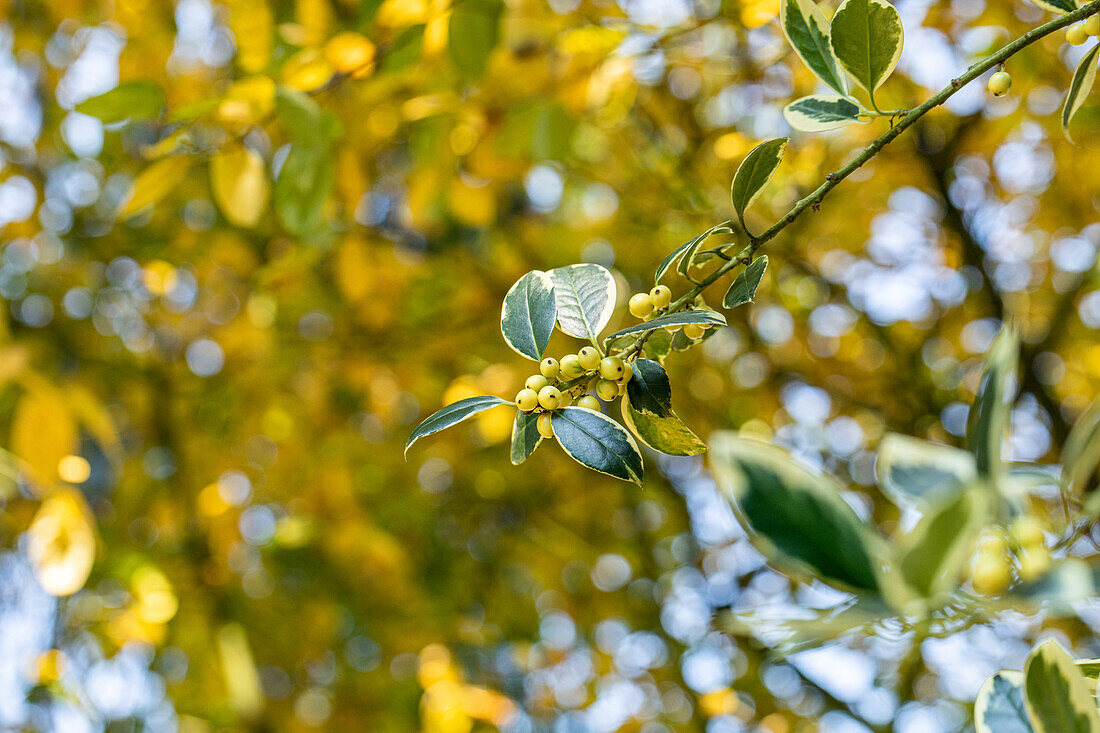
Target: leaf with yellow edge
[[43, 431], [61, 544], [239, 184], [154, 183]]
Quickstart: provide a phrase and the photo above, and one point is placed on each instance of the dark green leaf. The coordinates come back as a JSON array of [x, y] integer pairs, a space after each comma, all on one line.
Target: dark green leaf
[[808, 32], [914, 471], [821, 112], [472, 34], [404, 50], [1000, 705], [867, 37], [649, 388], [989, 414], [1055, 693], [598, 442], [667, 434], [744, 286], [452, 414], [647, 411], [690, 245], [931, 557], [528, 315], [753, 174], [1081, 452], [585, 296], [303, 188], [525, 436], [700, 316], [1079, 88], [798, 515], [133, 100]]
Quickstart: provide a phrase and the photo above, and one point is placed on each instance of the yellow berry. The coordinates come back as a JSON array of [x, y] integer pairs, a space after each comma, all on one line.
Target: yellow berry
[[589, 402], [550, 398], [589, 357], [694, 331], [1076, 35], [1000, 83], [607, 390], [545, 426], [527, 399], [1092, 25], [571, 367], [991, 574], [1028, 532], [628, 372], [566, 399], [549, 367], [612, 368], [661, 296], [640, 305], [1034, 562], [536, 382], [993, 546]]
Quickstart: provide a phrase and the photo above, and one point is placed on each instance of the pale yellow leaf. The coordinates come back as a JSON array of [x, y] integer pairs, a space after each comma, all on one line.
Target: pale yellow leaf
[[154, 183], [239, 184]]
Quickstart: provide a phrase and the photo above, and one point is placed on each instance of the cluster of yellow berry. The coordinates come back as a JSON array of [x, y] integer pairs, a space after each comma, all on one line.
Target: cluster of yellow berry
[[1022, 549], [576, 374], [1080, 32], [1001, 82], [649, 305]]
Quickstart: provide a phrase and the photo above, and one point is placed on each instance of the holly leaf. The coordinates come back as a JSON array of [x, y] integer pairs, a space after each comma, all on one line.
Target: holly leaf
[[867, 37], [598, 442], [821, 112], [699, 316], [798, 516], [1079, 88], [744, 286], [754, 173], [452, 414], [585, 297], [528, 314], [807, 30], [525, 436]]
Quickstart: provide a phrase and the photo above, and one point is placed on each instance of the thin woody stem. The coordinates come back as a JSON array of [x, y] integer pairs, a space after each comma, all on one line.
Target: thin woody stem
[[833, 179]]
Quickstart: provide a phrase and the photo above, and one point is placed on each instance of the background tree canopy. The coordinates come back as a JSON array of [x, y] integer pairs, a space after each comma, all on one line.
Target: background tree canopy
[[249, 245]]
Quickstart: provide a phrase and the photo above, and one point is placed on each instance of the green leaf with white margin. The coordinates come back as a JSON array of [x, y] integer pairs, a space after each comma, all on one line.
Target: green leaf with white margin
[[1081, 452], [930, 558], [1058, 7], [452, 414], [807, 29], [647, 411], [753, 174], [798, 515], [687, 256], [690, 245], [744, 286], [585, 296], [912, 471], [472, 33], [528, 315], [1055, 693], [130, 100], [867, 37], [989, 415], [525, 436], [1000, 707], [699, 316], [1079, 88], [594, 440], [821, 112]]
